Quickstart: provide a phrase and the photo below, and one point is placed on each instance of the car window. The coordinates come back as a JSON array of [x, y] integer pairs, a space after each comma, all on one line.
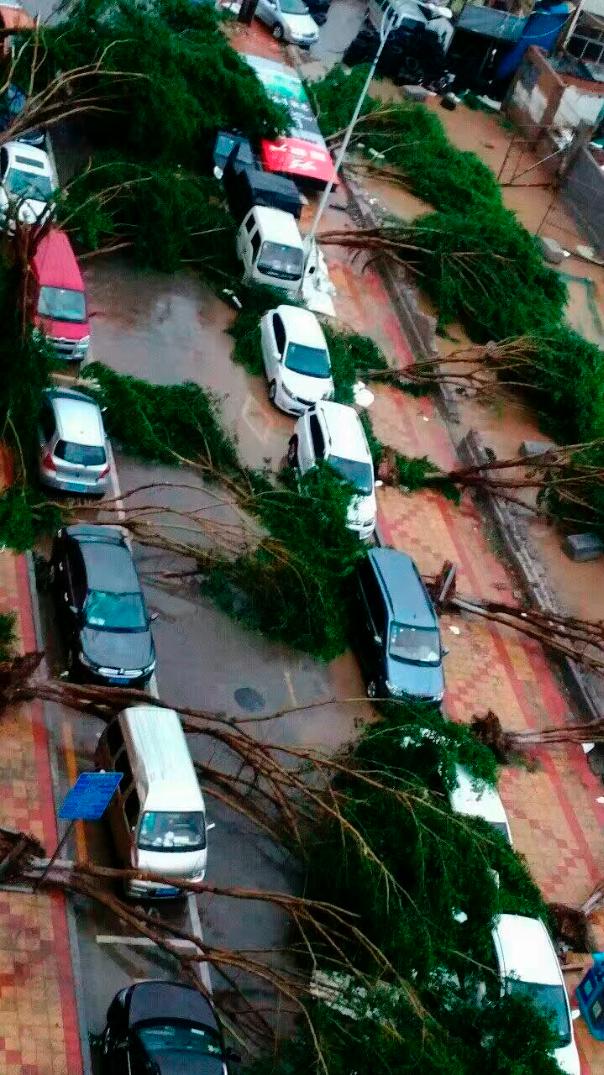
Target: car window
[[80, 455], [27, 185], [419, 645], [179, 1041], [114, 738], [122, 765], [316, 435], [163, 830], [132, 807], [279, 331], [551, 1001], [115, 611], [62, 304], [255, 240], [311, 361], [250, 224], [360, 475], [76, 573], [3, 161], [374, 599], [47, 420]]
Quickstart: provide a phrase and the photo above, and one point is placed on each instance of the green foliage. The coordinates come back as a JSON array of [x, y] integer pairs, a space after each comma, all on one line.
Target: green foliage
[[352, 358], [375, 445], [256, 300], [294, 586], [190, 81], [8, 635], [335, 96], [25, 515], [166, 215], [163, 422]]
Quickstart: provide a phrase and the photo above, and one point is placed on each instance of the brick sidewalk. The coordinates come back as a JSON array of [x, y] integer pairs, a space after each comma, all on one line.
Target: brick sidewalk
[[555, 819], [39, 1032]]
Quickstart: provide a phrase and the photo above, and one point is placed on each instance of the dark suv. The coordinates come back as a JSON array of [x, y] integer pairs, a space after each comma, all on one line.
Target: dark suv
[[398, 637], [101, 606]]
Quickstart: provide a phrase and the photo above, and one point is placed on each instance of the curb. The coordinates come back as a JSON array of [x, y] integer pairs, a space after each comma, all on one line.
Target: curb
[[74, 948]]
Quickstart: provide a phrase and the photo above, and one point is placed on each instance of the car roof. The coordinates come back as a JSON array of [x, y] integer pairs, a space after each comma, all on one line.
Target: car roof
[[169, 1000], [346, 434], [107, 558], [407, 596], [54, 262], [40, 163], [160, 759], [524, 950], [78, 417], [474, 798], [302, 325], [277, 226]]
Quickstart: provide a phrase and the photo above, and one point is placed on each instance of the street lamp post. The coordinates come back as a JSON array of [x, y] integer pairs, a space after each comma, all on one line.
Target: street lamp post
[[388, 24]]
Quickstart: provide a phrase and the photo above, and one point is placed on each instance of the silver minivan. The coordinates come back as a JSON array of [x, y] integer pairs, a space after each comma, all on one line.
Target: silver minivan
[[157, 815], [73, 444]]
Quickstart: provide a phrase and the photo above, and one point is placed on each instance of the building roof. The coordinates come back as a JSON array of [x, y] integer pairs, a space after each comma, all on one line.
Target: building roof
[[160, 759], [524, 950], [346, 434], [55, 264], [408, 596]]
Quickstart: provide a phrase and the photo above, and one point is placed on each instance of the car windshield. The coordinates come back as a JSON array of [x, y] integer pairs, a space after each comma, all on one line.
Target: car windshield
[[277, 259], [179, 1039], [80, 455], [62, 304], [358, 474], [115, 611], [313, 361], [419, 645], [293, 7], [550, 1000], [165, 831], [27, 185]]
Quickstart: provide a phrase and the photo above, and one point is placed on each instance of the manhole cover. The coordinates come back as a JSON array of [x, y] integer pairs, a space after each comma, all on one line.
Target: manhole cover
[[249, 699]]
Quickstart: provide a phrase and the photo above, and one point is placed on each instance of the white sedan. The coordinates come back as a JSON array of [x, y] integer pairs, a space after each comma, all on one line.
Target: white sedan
[[290, 20], [27, 184], [296, 359]]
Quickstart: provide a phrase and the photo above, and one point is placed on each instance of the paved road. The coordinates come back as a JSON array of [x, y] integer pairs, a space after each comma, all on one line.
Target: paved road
[[172, 329]]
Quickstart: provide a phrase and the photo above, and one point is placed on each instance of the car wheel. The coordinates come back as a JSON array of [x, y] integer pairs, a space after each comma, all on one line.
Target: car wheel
[[272, 391], [292, 452], [278, 32], [372, 691]]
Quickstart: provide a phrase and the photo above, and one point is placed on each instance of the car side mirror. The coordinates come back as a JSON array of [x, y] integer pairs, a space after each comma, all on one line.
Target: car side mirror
[[444, 652], [378, 483], [210, 825], [153, 617], [232, 1055], [377, 639]]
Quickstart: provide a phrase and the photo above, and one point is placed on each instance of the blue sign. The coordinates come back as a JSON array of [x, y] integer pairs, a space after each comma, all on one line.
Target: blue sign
[[90, 796]]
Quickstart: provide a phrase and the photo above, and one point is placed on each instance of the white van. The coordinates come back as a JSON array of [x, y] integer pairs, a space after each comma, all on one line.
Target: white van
[[270, 247], [157, 815]]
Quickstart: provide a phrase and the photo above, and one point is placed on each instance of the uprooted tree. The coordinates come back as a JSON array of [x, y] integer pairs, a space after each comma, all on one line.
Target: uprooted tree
[[387, 867]]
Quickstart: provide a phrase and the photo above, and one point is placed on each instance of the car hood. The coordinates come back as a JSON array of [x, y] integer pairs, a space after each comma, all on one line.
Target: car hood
[[362, 509], [416, 680], [117, 649], [175, 864], [32, 210], [310, 389], [67, 330], [302, 25], [567, 1058], [185, 1064]]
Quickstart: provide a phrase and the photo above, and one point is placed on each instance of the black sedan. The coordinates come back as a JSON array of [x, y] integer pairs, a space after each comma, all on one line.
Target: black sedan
[[101, 606], [165, 1028]]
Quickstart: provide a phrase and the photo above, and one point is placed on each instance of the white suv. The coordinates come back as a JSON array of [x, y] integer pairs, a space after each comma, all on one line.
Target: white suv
[[333, 433], [296, 359]]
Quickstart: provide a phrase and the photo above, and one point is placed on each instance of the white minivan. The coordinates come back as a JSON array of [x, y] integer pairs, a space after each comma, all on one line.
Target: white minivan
[[270, 247], [157, 815], [333, 432]]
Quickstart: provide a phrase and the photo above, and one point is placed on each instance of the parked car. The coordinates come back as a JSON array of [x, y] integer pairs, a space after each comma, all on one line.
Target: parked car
[[73, 445], [233, 146], [270, 246], [101, 606], [296, 359], [163, 1028], [56, 297], [333, 433], [528, 968], [398, 638], [27, 183], [290, 20], [472, 799], [12, 103]]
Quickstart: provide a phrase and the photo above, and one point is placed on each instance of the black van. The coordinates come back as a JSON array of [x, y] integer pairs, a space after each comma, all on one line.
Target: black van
[[399, 643], [246, 187]]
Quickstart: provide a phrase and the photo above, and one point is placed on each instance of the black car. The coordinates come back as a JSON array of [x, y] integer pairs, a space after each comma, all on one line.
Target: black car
[[163, 1028], [12, 103], [101, 606], [398, 638]]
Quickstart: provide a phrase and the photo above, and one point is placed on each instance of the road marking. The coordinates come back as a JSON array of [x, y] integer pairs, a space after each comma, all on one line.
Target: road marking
[[72, 772], [263, 434], [290, 687]]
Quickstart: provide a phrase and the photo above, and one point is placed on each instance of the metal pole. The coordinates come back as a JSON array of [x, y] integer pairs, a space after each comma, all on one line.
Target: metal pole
[[54, 855], [386, 27]]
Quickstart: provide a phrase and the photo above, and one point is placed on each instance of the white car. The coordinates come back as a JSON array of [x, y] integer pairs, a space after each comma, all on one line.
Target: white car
[[290, 20], [472, 798], [333, 432], [27, 183], [296, 359], [528, 967]]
